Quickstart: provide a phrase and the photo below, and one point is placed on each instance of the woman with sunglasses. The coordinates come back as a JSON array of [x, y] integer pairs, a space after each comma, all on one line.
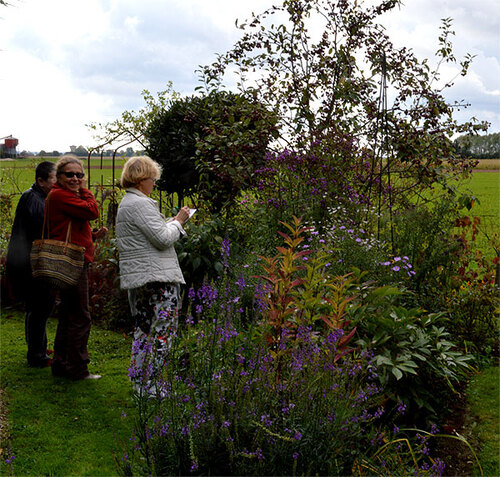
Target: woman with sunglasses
[[71, 202], [149, 270]]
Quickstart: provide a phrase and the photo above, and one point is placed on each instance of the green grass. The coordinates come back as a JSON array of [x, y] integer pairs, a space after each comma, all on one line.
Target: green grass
[[17, 176], [486, 187], [60, 427], [483, 395]]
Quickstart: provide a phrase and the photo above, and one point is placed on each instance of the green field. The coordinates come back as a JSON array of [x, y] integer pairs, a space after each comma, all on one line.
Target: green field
[[486, 187], [18, 175]]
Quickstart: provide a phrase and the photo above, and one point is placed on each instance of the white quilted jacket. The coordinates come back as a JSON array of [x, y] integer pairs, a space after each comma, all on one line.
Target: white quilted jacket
[[146, 242]]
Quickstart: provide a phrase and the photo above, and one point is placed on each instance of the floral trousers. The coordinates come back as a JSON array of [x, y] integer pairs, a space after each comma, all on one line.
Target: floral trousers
[[155, 307]]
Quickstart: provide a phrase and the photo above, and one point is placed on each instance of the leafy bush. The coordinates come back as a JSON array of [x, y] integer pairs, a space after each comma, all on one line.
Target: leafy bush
[[451, 274], [209, 146], [416, 360]]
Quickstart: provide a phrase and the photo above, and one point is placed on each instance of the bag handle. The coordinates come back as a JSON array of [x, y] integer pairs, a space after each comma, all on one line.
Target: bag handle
[[45, 221]]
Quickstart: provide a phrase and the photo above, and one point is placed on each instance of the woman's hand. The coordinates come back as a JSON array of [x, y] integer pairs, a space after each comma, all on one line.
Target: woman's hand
[[183, 215], [99, 234], [83, 182]]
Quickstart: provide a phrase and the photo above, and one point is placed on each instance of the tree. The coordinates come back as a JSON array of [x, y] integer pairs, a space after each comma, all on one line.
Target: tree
[[478, 147], [210, 146], [324, 68]]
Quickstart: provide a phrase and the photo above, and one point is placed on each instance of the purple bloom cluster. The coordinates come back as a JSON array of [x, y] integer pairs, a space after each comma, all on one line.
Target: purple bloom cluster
[[399, 264], [290, 178]]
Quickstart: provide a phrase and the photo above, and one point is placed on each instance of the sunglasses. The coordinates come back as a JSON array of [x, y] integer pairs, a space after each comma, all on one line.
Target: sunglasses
[[79, 175]]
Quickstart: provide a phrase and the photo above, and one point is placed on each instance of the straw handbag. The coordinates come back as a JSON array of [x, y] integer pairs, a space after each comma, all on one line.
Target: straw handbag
[[56, 262]]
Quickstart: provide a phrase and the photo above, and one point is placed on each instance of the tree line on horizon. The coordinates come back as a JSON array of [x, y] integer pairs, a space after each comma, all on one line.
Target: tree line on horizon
[[81, 151], [485, 146]]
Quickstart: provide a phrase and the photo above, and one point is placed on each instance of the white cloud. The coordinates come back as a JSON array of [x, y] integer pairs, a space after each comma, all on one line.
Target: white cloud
[[61, 111], [73, 62]]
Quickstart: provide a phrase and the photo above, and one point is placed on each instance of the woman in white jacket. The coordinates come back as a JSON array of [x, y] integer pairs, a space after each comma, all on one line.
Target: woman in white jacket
[[149, 270]]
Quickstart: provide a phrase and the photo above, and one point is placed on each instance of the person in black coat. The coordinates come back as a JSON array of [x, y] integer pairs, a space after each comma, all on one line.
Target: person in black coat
[[38, 297]]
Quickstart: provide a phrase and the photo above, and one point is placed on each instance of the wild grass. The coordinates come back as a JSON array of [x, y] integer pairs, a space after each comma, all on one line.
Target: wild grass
[[60, 427]]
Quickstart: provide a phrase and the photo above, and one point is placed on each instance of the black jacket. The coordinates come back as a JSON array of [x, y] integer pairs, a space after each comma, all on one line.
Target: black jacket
[[28, 223]]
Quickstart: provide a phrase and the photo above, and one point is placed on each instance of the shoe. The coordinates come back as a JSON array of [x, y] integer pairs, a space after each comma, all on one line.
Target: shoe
[[93, 376]]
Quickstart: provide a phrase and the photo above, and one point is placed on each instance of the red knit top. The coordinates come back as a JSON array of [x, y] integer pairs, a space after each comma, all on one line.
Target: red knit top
[[63, 206]]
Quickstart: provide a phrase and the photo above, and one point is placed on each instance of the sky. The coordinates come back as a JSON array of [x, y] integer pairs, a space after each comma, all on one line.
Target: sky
[[69, 63]]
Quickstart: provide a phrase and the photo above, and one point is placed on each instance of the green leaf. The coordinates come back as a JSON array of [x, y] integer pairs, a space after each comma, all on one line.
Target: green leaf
[[397, 373], [383, 360]]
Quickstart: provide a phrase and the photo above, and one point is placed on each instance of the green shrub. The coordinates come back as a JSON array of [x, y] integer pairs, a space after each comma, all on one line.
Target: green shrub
[[416, 360]]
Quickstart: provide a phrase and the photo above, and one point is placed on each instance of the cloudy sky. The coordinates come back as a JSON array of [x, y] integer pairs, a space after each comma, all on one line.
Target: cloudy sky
[[68, 63]]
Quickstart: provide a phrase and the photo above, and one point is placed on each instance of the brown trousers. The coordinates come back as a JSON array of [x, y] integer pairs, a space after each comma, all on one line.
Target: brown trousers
[[71, 356]]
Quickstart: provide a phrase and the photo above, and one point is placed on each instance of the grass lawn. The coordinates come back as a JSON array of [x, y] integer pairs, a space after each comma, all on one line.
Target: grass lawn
[[60, 427], [483, 395], [486, 187]]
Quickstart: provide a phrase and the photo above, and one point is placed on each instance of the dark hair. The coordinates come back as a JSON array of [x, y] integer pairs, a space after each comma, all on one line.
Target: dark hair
[[44, 169]]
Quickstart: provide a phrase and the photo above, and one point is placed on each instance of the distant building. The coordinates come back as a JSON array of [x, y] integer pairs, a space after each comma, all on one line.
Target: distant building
[[8, 147]]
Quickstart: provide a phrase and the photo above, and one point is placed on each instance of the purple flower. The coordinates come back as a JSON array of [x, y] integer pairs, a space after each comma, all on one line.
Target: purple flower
[[225, 248], [438, 466], [266, 420]]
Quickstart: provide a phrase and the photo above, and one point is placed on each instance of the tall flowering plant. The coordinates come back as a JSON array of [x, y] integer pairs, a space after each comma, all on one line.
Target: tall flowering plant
[[231, 408], [276, 396], [230, 402]]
